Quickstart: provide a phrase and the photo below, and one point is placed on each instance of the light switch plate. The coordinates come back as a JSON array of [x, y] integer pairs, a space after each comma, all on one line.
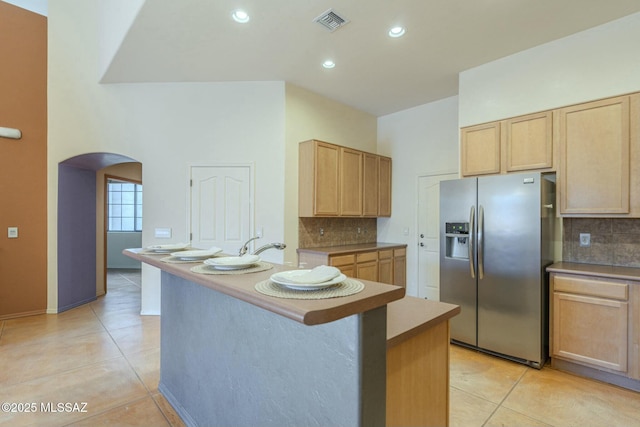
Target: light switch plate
[[12, 232], [162, 233]]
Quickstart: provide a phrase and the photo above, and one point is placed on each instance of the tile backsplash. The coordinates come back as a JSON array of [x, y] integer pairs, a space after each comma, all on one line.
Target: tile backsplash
[[614, 241], [336, 231]]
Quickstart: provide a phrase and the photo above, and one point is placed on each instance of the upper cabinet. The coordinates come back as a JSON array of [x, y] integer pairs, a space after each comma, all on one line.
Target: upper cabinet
[[339, 181], [480, 149], [513, 145], [529, 142], [384, 186], [319, 179], [595, 149]]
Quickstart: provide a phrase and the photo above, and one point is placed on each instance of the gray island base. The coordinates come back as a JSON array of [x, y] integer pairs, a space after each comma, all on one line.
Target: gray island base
[[225, 362]]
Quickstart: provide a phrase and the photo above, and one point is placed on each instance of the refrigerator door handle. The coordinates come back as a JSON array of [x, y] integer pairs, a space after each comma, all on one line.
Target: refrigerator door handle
[[472, 219], [480, 242]]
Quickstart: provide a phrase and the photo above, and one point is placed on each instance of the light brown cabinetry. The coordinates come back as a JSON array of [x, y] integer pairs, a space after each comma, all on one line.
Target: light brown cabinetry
[[319, 176], [384, 186], [400, 267], [384, 265], [480, 149], [350, 182], [335, 181], [513, 145], [590, 321], [529, 142], [371, 185], [595, 149]]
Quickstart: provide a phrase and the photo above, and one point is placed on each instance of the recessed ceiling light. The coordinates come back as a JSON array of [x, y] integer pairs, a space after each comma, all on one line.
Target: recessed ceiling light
[[240, 16], [397, 31], [328, 64]]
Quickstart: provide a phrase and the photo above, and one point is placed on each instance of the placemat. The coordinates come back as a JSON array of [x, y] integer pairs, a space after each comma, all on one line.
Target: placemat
[[343, 289], [207, 269]]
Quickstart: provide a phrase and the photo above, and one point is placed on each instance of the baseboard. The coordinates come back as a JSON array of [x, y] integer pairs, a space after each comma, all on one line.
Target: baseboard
[[23, 314], [606, 377]]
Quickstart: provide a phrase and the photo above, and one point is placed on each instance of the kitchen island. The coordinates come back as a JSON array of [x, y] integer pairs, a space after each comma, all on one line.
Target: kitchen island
[[233, 356]]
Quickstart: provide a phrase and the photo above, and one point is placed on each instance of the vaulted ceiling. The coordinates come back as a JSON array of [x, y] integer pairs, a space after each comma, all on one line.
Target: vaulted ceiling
[[197, 41]]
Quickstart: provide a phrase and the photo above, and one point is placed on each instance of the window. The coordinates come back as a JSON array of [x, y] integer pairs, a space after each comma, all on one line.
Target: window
[[124, 206]]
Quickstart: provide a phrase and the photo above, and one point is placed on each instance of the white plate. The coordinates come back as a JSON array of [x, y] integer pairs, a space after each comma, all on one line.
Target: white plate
[[196, 254], [233, 262], [166, 248], [283, 277]]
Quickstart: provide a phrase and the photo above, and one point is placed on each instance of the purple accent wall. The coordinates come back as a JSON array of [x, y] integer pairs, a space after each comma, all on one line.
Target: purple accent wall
[[76, 236], [77, 226]]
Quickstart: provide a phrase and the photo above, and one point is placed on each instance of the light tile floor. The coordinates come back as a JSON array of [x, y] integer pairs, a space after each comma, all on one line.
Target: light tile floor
[[107, 355]]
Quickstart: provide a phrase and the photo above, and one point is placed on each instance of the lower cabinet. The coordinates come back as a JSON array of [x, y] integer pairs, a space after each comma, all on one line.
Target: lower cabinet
[[378, 265], [592, 323]]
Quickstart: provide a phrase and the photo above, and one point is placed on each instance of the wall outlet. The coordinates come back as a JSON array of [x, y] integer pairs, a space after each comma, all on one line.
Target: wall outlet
[[585, 240], [12, 232]]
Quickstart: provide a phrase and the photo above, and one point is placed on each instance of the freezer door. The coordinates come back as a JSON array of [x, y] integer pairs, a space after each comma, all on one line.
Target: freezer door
[[510, 283], [457, 284]]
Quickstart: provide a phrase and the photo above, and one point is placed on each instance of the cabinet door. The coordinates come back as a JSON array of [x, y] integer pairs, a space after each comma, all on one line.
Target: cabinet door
[[384, 186], [370, 185], [590, 330], [350, 182], [480, 149], [529, 142], [595, 150], [367, 270], [345, 263], [385, 266], [400, 267], [367, 265], [326, 179]]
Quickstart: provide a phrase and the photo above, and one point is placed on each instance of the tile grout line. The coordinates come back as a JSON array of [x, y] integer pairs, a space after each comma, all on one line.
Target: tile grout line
[[149, 393], [515, 384]]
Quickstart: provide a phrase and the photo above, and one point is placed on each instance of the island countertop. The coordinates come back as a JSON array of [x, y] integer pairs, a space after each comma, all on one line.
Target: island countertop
[[308, 312]]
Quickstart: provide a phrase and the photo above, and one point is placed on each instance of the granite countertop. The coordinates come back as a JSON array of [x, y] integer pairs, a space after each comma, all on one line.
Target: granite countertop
[[308, 312], [361, 247], [596, 270]]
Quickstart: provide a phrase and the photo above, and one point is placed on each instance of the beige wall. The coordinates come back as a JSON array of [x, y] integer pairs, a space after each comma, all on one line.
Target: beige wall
[[312, 116], [23, 162]]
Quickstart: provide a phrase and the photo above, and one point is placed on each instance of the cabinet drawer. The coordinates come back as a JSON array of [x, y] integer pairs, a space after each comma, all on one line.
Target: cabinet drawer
[[604, 288], [367, 256], [342, 260], [400, 252], [386, 254]]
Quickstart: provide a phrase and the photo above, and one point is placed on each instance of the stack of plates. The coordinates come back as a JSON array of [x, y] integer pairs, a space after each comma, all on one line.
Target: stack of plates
[[196, 255], [307, 280], [165, 249], [233, 262]]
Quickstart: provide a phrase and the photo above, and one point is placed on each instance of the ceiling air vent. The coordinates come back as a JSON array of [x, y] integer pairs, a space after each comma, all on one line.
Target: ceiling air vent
[[331, 20]]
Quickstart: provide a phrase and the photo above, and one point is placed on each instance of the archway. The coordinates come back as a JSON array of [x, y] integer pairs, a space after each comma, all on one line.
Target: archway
[[77, 226]]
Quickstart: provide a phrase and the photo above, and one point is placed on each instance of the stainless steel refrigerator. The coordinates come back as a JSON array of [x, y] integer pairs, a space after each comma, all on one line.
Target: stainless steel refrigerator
[[496, 239]]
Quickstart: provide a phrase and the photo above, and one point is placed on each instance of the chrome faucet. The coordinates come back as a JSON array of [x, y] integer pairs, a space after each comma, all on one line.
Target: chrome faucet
[[279, 246], [243, 250]]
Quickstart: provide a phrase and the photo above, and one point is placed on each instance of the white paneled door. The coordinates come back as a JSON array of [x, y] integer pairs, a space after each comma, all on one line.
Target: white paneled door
[[221, 207], [428, 235]]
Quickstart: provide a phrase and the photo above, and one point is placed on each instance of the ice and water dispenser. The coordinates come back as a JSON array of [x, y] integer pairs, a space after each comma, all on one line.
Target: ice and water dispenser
[[457, 240]]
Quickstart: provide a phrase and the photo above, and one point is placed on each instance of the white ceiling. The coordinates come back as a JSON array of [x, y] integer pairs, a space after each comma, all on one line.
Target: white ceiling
[[196, 41]]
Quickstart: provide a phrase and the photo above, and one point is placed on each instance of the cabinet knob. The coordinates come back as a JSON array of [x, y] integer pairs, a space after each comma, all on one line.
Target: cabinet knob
[[421, 244], [422, 236]]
